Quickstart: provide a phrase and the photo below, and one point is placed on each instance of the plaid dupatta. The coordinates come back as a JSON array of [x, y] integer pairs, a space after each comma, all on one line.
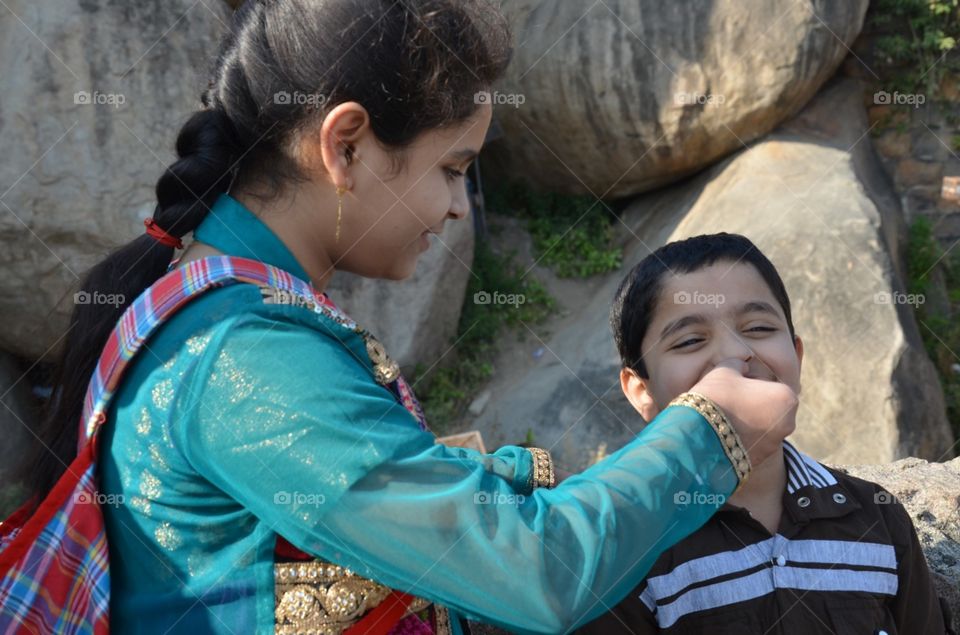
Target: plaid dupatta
[[54, 563]]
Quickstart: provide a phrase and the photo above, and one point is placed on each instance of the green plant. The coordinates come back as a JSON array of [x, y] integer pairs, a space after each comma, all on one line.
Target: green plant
[[446, 389], [915, 39], [923, 252], [573, 235], [531, 440], [939, 329]]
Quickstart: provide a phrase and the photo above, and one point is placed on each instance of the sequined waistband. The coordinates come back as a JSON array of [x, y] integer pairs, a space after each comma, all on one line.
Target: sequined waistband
[[320, 598]]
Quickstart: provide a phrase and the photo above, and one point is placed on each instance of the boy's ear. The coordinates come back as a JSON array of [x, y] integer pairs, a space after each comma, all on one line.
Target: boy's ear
[[637, 392]]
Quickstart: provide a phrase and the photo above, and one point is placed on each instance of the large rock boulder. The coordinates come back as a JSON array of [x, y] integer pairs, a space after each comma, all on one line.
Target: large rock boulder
[[615, 98], [814, 199], [931, 494], [88, 123]]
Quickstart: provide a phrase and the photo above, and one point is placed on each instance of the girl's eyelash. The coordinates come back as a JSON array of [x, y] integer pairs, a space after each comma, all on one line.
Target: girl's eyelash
[[454, 174]]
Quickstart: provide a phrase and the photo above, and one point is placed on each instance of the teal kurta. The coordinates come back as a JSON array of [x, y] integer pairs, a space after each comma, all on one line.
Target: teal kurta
[[242, 420]]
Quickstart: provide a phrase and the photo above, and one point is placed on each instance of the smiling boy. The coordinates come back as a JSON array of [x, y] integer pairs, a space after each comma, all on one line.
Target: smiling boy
[[800, 547]]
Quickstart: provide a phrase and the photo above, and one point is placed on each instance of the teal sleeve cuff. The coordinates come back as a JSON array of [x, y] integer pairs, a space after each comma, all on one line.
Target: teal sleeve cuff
[[523, 467], [722, 479]]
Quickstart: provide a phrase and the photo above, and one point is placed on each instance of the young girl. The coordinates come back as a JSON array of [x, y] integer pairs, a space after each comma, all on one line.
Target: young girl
[[261, 443]]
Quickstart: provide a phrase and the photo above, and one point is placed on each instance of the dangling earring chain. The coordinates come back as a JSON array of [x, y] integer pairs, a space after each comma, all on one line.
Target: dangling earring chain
[[348, 156], [340, 191]]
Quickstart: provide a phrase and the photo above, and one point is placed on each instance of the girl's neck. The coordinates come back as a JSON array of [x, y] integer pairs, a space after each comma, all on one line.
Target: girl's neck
[[291, 215], [195, 251]]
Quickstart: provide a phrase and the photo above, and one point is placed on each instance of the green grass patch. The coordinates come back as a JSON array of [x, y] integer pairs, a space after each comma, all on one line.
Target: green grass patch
[[445, 390], [939, 328], [573, 235]]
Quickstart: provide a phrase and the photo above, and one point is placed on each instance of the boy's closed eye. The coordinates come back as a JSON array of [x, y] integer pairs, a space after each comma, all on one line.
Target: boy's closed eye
[[687, 341]]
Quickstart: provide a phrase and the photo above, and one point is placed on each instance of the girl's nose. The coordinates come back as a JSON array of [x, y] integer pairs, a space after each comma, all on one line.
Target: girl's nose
[[459, 204]]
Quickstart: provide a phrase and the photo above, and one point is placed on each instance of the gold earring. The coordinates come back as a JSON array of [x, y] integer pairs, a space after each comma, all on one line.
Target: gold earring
[[340, 191]]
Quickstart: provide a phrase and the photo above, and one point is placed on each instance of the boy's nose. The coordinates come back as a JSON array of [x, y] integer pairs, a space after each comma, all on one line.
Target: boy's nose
[[733, 346]]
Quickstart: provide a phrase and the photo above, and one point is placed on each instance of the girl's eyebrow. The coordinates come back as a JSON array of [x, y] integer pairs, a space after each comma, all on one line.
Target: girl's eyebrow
[[466, 154]]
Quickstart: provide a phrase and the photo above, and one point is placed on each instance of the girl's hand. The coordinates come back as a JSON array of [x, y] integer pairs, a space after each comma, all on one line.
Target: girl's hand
[[762, 412]]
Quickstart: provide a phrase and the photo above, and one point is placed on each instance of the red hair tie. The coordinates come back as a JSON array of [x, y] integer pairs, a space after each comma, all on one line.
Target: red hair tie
[[162, 236]]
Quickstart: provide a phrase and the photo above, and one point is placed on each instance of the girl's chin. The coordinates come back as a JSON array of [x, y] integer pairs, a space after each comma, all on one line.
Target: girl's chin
[[402, 270]]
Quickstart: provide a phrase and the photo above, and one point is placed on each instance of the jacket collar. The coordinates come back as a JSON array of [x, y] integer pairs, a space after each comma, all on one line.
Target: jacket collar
[[803, 471], [812, 491], [233, 229]]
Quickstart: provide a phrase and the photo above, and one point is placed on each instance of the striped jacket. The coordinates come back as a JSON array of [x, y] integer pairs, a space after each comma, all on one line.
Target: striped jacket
[[845, 560]]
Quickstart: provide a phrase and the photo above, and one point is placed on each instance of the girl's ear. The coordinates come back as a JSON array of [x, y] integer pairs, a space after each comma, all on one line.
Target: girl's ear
[[341, 130], [637, 392]]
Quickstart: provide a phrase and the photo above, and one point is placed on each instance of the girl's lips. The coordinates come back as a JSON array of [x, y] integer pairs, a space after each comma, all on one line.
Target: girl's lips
[[424, 241]]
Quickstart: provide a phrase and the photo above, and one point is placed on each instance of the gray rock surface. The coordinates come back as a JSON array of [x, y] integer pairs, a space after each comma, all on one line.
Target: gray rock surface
[[931, 494], [614, 98], [88, 123]]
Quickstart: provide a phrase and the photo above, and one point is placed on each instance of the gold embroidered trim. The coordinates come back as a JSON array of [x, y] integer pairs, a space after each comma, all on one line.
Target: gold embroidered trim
[[325, 599], [543, 475], [275, 295], [442, 617], [729, 438], [385, 370]]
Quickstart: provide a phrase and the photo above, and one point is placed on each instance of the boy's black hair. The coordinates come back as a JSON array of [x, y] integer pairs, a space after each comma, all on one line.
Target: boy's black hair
[[636, 298]]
